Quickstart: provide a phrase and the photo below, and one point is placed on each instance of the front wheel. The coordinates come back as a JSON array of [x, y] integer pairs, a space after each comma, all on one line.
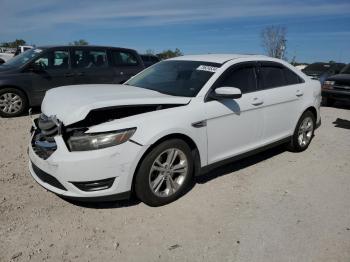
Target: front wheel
[[303, 132], [165, 173], [13, 102]]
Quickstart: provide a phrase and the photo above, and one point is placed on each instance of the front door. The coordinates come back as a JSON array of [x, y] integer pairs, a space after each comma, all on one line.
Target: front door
[[52, 70], [234, 126]]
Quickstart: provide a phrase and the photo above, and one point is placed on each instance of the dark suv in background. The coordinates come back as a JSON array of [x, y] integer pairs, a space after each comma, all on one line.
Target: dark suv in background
[[337, 87], [25, 78], [149, 60], [321, 71]]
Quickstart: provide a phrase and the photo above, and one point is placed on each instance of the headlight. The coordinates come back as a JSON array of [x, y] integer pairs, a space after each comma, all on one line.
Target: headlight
[[95, 141], [328, 84]]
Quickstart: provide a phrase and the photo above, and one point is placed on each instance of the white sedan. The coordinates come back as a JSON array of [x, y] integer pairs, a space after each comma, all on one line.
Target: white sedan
[[169, 123]]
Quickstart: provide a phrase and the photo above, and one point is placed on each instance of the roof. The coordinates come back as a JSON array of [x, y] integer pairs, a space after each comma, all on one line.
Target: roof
[[81, 46], [216, 58]]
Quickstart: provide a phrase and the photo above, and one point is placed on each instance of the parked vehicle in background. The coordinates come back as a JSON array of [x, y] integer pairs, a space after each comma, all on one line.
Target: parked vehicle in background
[[300, 67], [25, 78], [149, 60], [337, 87], [5, 54], [22, 48], [321, 71], [169, 123]]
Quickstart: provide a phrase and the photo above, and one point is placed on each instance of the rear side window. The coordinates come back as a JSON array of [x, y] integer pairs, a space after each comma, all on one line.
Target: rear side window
[[291, 77], [124, 58], [243, 78], [271, 77], [90, 59], [277, 76]]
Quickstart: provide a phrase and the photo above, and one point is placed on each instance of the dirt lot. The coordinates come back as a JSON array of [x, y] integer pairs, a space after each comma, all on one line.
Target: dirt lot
[[276, 206]]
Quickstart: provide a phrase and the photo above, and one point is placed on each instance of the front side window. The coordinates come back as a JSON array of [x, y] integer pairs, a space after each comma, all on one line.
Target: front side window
[[123, 58], [243, 78], [90, 59], [178, 78], [58, 59]]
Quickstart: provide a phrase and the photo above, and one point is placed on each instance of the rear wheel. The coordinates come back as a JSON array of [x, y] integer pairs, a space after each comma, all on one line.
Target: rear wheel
[[165, 173], [303, 132], [13, 102]]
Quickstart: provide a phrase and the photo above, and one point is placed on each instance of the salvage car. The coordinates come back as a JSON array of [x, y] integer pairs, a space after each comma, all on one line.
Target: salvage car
[[169, 123], [337, 87], [25, 78]]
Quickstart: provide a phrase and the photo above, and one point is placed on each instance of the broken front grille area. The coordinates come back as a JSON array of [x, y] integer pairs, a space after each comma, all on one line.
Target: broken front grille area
[[43, 142]]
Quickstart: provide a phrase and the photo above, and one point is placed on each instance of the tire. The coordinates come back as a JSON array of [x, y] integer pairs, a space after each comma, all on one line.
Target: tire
[[303, 133], [13, 102], [328, 101], [153, 172]]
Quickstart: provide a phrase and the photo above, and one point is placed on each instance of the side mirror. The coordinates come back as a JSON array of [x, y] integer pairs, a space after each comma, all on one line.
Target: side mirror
[[226, 92], [35, 68]]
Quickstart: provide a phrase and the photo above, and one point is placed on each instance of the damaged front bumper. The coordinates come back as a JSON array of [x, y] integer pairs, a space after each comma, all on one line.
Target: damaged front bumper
[[97, 175]]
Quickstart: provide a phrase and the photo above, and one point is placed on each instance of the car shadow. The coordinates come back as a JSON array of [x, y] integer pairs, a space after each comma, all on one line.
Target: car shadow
[[105, 205], [237, 165], [342, 123], [219, 171]]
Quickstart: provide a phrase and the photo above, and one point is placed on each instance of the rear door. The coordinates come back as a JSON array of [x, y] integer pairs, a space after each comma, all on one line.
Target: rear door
[[126, 64], [282, 93], [91, 66]]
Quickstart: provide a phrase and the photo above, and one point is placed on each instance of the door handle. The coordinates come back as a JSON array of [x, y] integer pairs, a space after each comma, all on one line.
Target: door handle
[[299, 92], [68, 75], [257, 101], [81, 74]]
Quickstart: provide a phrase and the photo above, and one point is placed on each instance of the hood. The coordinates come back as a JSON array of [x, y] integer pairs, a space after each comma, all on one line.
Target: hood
[[6, 69], [71, 104], [340, 78]]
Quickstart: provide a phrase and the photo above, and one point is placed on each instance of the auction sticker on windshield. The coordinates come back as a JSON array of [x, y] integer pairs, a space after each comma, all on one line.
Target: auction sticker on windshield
[[38, 50], [207, 68]]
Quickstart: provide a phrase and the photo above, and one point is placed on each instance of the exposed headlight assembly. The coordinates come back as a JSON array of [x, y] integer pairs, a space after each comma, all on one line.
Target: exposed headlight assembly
[[93, 141]]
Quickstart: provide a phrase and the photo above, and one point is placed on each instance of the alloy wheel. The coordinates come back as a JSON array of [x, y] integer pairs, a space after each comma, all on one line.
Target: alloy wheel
[[168, 172], [10, 103], [305, 131]]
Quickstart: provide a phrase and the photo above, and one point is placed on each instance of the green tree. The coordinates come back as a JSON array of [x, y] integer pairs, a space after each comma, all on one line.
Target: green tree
[[14, 44], [169, 54], [79, 42]]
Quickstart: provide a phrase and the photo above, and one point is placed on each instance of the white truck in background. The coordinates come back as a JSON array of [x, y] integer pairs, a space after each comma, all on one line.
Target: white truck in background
[[7, 53]]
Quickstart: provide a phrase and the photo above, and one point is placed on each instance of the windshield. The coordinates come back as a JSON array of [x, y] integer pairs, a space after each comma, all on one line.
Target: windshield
[[177, 78], [345, 70], [23, 58]]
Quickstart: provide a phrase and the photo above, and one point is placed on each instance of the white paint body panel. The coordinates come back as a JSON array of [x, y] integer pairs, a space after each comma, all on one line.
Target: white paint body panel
[[234, 126]]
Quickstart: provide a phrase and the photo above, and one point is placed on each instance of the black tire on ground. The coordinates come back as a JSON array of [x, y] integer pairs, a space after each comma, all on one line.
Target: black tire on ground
[[328, 101], [23, 104], [294, 145], [142, 180]]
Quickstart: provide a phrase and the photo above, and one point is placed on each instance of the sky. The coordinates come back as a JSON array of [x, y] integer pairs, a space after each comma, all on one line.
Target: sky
[[317, 30]]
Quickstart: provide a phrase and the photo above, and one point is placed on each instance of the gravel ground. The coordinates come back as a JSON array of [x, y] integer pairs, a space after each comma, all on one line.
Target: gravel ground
[[276, 206]]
